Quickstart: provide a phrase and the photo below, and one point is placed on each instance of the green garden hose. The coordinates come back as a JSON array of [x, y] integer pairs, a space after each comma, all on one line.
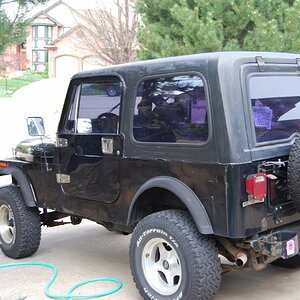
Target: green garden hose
[[69, 295]]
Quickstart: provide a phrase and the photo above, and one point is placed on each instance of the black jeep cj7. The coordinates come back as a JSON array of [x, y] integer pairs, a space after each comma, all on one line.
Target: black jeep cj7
[[197, 156]]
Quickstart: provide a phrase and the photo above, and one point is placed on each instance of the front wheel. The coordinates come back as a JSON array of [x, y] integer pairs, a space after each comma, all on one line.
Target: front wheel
[[170, 259], [20, 229]]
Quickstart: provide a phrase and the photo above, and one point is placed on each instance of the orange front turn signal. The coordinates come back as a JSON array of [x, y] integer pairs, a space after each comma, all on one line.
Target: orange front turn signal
[[3, 164]]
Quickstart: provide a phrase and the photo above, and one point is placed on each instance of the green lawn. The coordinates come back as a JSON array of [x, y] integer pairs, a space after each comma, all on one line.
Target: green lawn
[[18, 82]]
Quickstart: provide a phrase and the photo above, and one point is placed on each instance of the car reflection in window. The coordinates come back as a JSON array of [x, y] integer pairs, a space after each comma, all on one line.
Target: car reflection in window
[[276, 118], [172, 110]]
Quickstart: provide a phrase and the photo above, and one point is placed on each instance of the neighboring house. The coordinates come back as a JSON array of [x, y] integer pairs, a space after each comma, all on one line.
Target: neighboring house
[[55, 38]]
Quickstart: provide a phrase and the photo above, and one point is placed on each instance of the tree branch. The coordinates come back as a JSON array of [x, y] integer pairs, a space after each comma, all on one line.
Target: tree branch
[[112, 37]]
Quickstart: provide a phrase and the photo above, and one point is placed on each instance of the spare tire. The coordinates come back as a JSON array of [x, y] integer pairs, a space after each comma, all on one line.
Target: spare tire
[[294, 173]]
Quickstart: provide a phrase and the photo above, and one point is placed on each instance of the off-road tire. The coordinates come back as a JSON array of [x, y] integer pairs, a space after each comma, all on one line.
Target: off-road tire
[[294, 173], [21, 236], [290, 263], [196, 256]]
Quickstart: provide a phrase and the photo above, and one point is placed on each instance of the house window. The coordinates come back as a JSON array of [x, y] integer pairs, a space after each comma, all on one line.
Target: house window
[[40, 56], [42, 36], [39, 59], [42, 32]]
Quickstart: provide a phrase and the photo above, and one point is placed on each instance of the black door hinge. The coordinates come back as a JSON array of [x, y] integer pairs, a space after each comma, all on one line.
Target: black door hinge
[[260, 62], [298, 63]]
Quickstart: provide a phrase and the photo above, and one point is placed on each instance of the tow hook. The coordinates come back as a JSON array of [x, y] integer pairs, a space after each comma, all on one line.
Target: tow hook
[[277, 244]]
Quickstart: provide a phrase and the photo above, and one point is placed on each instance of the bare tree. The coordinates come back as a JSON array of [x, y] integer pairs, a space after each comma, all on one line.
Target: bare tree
[[110, 34], [10, 61]]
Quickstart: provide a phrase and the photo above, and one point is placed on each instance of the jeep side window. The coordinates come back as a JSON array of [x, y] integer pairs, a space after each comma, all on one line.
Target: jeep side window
[[172, 110], [275, 102], [95, 108]]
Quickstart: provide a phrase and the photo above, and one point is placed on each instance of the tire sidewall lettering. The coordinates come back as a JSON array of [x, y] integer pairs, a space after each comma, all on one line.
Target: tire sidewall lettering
[[143, 238], [161, 232], [173, 230], [150, 296]]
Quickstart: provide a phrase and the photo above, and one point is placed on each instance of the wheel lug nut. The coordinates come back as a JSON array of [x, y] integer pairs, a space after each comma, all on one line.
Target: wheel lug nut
[[166, 265]]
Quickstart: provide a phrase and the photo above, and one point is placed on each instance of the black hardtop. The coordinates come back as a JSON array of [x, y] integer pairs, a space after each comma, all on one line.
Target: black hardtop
[[229, 141], [225, 59]]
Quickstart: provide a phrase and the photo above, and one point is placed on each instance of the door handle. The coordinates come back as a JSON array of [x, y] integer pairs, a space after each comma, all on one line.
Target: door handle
[[61, 142]]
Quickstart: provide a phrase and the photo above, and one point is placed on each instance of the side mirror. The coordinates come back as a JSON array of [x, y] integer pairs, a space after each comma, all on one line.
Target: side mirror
[[35, 126]]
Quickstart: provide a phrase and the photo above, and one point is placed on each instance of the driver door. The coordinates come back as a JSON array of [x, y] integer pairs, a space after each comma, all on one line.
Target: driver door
[[89, 143]]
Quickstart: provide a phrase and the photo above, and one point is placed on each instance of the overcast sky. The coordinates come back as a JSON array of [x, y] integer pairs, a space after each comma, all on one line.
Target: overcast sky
[[78, 4]]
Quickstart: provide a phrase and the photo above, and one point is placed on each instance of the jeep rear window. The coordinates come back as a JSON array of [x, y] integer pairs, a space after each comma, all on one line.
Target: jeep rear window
[[172, 110], [275, 104]]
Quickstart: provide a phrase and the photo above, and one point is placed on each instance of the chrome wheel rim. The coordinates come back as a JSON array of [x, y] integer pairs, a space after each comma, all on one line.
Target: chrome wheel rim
[[7, 224], [161, 266]]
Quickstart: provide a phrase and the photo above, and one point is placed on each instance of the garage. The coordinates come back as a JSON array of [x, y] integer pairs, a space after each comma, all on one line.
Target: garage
[[66, 66]]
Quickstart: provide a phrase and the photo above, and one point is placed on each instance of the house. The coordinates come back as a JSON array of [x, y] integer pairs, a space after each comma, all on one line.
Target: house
[[55, 40]]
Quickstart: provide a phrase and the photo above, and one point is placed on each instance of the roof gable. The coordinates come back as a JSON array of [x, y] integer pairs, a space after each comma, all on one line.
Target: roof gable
[[43, 18], [75, 29], [51, 13]]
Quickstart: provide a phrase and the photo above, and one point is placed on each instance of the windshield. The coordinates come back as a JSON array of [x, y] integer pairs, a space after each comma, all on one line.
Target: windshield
[[275, 104]]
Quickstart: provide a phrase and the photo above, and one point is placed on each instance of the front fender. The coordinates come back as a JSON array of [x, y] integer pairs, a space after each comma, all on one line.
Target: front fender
[[23, 182], [184, 193]]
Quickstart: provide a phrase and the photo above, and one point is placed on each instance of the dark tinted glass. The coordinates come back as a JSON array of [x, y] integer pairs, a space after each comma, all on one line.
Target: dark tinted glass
[[275, 104], [95, 108], [172, 110]]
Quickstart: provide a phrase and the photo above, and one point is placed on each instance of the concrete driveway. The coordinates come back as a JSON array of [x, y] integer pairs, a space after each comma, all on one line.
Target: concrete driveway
[[79, 252], [88, 250]]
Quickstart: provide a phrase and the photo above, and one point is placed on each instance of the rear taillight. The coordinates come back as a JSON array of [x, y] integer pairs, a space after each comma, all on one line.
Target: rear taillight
[[256, 186]]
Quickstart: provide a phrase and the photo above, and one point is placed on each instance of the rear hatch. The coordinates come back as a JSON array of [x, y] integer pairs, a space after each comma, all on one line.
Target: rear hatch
[[272, 101]]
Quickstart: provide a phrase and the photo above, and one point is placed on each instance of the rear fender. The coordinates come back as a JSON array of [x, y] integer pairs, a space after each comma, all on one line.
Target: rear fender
[[184, 193]]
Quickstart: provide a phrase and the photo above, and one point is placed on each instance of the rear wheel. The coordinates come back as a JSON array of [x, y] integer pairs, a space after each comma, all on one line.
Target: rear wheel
[[20, 229], [170, 259]]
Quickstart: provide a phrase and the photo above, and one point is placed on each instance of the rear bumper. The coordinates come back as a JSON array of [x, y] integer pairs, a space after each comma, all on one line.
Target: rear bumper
[[283, 242]]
